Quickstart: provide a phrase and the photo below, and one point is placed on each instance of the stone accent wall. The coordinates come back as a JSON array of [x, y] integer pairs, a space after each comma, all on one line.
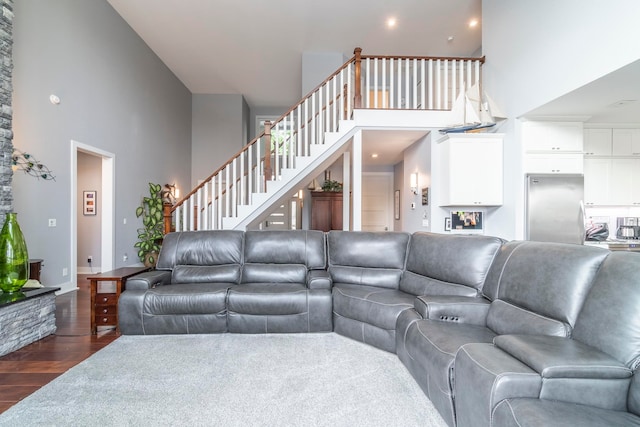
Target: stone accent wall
[[27, 321], [6, 133]]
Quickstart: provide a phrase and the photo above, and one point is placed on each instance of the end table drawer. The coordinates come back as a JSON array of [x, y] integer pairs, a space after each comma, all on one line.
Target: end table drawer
[[106, 299], [106, 319], [110, 310]]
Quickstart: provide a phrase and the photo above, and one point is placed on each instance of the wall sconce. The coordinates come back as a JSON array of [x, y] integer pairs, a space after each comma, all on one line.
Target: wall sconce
[[413, 182], [170, 194]]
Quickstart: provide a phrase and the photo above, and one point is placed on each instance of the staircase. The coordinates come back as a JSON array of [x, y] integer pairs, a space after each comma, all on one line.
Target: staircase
[[313, 134]]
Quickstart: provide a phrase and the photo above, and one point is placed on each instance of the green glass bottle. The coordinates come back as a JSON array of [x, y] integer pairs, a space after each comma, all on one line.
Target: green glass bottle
[[14, 259]]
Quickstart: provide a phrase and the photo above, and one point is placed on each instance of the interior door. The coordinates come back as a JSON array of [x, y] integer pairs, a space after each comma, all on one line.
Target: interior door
[[377, 201]]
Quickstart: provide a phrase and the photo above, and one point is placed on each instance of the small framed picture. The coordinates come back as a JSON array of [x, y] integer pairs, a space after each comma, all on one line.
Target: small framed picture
[[447, 224], [89, 202], [425, 196]]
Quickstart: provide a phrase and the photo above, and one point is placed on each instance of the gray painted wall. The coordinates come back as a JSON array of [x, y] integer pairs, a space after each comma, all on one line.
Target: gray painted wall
[[116, 95], [219, 131], [317, 66], [417, 158]]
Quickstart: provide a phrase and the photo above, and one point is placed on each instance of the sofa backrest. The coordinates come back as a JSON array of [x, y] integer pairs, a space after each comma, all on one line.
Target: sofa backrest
[[539, 287], [367, 258], [610, 317], [282, 256], [444, 264], [202, 256]]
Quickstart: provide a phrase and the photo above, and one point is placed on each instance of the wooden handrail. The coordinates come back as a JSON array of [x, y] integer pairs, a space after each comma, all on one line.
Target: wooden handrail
[[442, 58]]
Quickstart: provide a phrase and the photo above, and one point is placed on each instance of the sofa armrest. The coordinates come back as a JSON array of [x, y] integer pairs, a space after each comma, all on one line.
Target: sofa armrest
[[458, 309], [561, 357], [318, 279], [149, 280], [570, 370]]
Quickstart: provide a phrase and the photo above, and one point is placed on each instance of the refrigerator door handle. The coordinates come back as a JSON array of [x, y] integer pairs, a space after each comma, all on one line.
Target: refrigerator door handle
[[583, 216]]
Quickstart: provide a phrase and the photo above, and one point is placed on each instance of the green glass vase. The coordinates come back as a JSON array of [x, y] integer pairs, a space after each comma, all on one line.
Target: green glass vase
[[14, 259]]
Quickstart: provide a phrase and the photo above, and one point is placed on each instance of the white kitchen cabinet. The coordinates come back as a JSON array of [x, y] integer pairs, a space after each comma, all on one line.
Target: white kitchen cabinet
[[553, 136], [612, 182], [620, 179], [597, 142], [554, 163], [597, 173], [626, 142], [472, 170]]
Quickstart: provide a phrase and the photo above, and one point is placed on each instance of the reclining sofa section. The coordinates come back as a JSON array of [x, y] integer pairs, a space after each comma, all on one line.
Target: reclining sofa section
[[219, 281], [377, 276]]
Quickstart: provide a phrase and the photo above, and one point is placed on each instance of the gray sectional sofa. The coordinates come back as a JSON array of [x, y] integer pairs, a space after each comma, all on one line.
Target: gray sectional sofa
[[496, 333]]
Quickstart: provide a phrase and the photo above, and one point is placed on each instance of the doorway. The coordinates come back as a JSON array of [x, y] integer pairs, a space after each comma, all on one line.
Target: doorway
[[377, 201], [83, 157]]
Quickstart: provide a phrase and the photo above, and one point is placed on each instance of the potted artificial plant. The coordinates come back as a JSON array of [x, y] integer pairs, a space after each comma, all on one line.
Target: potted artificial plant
[[332, 185], [150, 235]]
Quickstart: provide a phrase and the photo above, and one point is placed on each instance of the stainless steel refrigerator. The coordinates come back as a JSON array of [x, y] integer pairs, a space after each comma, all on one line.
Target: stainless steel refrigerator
[[555, 208]]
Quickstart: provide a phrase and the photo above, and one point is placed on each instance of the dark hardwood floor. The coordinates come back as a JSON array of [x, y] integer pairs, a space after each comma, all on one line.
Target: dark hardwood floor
[[29, 368]]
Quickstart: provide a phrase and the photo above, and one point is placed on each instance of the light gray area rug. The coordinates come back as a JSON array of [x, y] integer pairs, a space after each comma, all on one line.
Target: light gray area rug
[[231, 380]]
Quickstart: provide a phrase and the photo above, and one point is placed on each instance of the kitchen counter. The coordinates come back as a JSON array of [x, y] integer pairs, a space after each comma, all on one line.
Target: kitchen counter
[[618, 245]]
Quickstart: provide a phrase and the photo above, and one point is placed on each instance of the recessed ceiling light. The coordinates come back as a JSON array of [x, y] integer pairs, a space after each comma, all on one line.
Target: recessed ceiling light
[[450, 38], [473, 23], [622, 103], [374, 156], [391, 22]]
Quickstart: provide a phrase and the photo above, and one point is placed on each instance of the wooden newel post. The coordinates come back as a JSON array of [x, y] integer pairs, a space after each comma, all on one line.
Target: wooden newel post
[[268, 172], [357, 97], [166, 213]]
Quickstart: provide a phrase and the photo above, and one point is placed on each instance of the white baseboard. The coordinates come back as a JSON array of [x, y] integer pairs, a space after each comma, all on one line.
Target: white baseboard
[[89, 270]]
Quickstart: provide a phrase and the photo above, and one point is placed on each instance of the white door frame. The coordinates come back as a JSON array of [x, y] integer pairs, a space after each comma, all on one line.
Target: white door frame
[[107, 196]]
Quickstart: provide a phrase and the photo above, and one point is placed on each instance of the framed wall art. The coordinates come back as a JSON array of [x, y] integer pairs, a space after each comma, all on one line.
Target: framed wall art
[[89, 204], [425, 196]]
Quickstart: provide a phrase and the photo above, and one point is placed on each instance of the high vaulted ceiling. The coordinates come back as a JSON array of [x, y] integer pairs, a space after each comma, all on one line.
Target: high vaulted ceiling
[[254, 47]]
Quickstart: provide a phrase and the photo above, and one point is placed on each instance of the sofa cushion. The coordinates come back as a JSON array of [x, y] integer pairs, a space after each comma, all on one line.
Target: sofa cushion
[[441, 264], [367, 258], [268, 298], [610, 318], [550, 280], [203, 248], [186, 298], [285, 247], [527, 412], [206, 273], [376, 306], [274, 273]]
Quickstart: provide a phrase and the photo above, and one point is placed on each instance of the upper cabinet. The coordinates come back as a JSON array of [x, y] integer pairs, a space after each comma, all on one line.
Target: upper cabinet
[[553, 147], [557, 137], [609, 142], [626, 142], [472, 169], [598, 142]]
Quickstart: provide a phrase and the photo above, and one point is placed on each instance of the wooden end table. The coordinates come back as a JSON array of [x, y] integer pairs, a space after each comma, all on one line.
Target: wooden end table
[[104, 306]]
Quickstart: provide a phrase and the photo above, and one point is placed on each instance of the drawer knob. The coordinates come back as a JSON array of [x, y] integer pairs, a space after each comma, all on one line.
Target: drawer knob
[[105, 320], [105, 299], [105, 311]]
